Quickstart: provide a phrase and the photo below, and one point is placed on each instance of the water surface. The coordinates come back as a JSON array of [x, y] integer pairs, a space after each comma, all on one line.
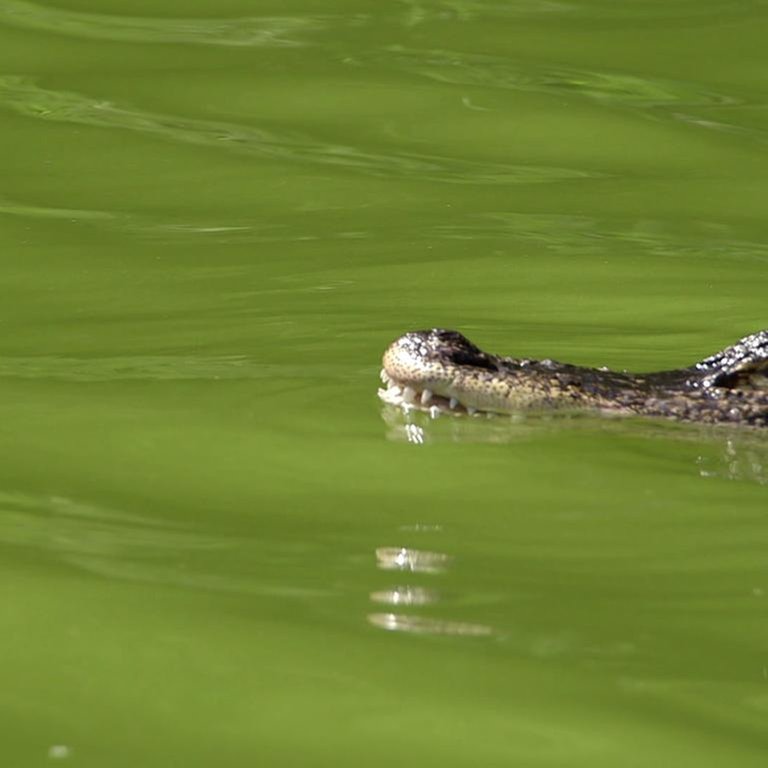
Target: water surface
[[218, 546]]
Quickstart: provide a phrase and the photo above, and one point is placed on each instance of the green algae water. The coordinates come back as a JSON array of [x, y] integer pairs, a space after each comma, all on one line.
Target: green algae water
[[218, 546]]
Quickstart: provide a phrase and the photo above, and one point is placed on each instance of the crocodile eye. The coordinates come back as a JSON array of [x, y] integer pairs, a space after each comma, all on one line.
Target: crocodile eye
[[444, 338], [472, 356], [742, 379]]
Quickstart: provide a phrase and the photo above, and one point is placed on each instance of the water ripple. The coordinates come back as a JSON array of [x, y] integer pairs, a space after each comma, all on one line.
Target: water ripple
[[429, 11], [458, 68], [559, 233], [668, 99], [723, 452], [652, 10], [266, 31], [152, 368], [406, 559], [69, 527], [23, 96], [134, 547], [15, 208], [423, 625], [573, 234]]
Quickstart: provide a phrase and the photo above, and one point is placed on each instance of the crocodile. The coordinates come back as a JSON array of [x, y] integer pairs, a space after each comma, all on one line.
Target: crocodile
[[440, 370]]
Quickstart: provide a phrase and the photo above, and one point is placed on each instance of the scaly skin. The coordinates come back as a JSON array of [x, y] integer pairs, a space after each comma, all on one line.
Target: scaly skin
[[442, 370]]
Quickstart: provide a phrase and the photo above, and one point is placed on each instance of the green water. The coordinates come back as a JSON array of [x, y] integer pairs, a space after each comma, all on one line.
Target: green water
[[218, 548]]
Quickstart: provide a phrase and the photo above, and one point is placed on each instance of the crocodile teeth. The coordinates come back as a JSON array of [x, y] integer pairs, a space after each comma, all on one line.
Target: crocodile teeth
[[384, 376], [426, 396], [409, 394], [453, 403], [393, 389]]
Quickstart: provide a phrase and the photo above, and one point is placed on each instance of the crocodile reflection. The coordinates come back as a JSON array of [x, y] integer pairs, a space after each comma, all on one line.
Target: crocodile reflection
[[407, 559]]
